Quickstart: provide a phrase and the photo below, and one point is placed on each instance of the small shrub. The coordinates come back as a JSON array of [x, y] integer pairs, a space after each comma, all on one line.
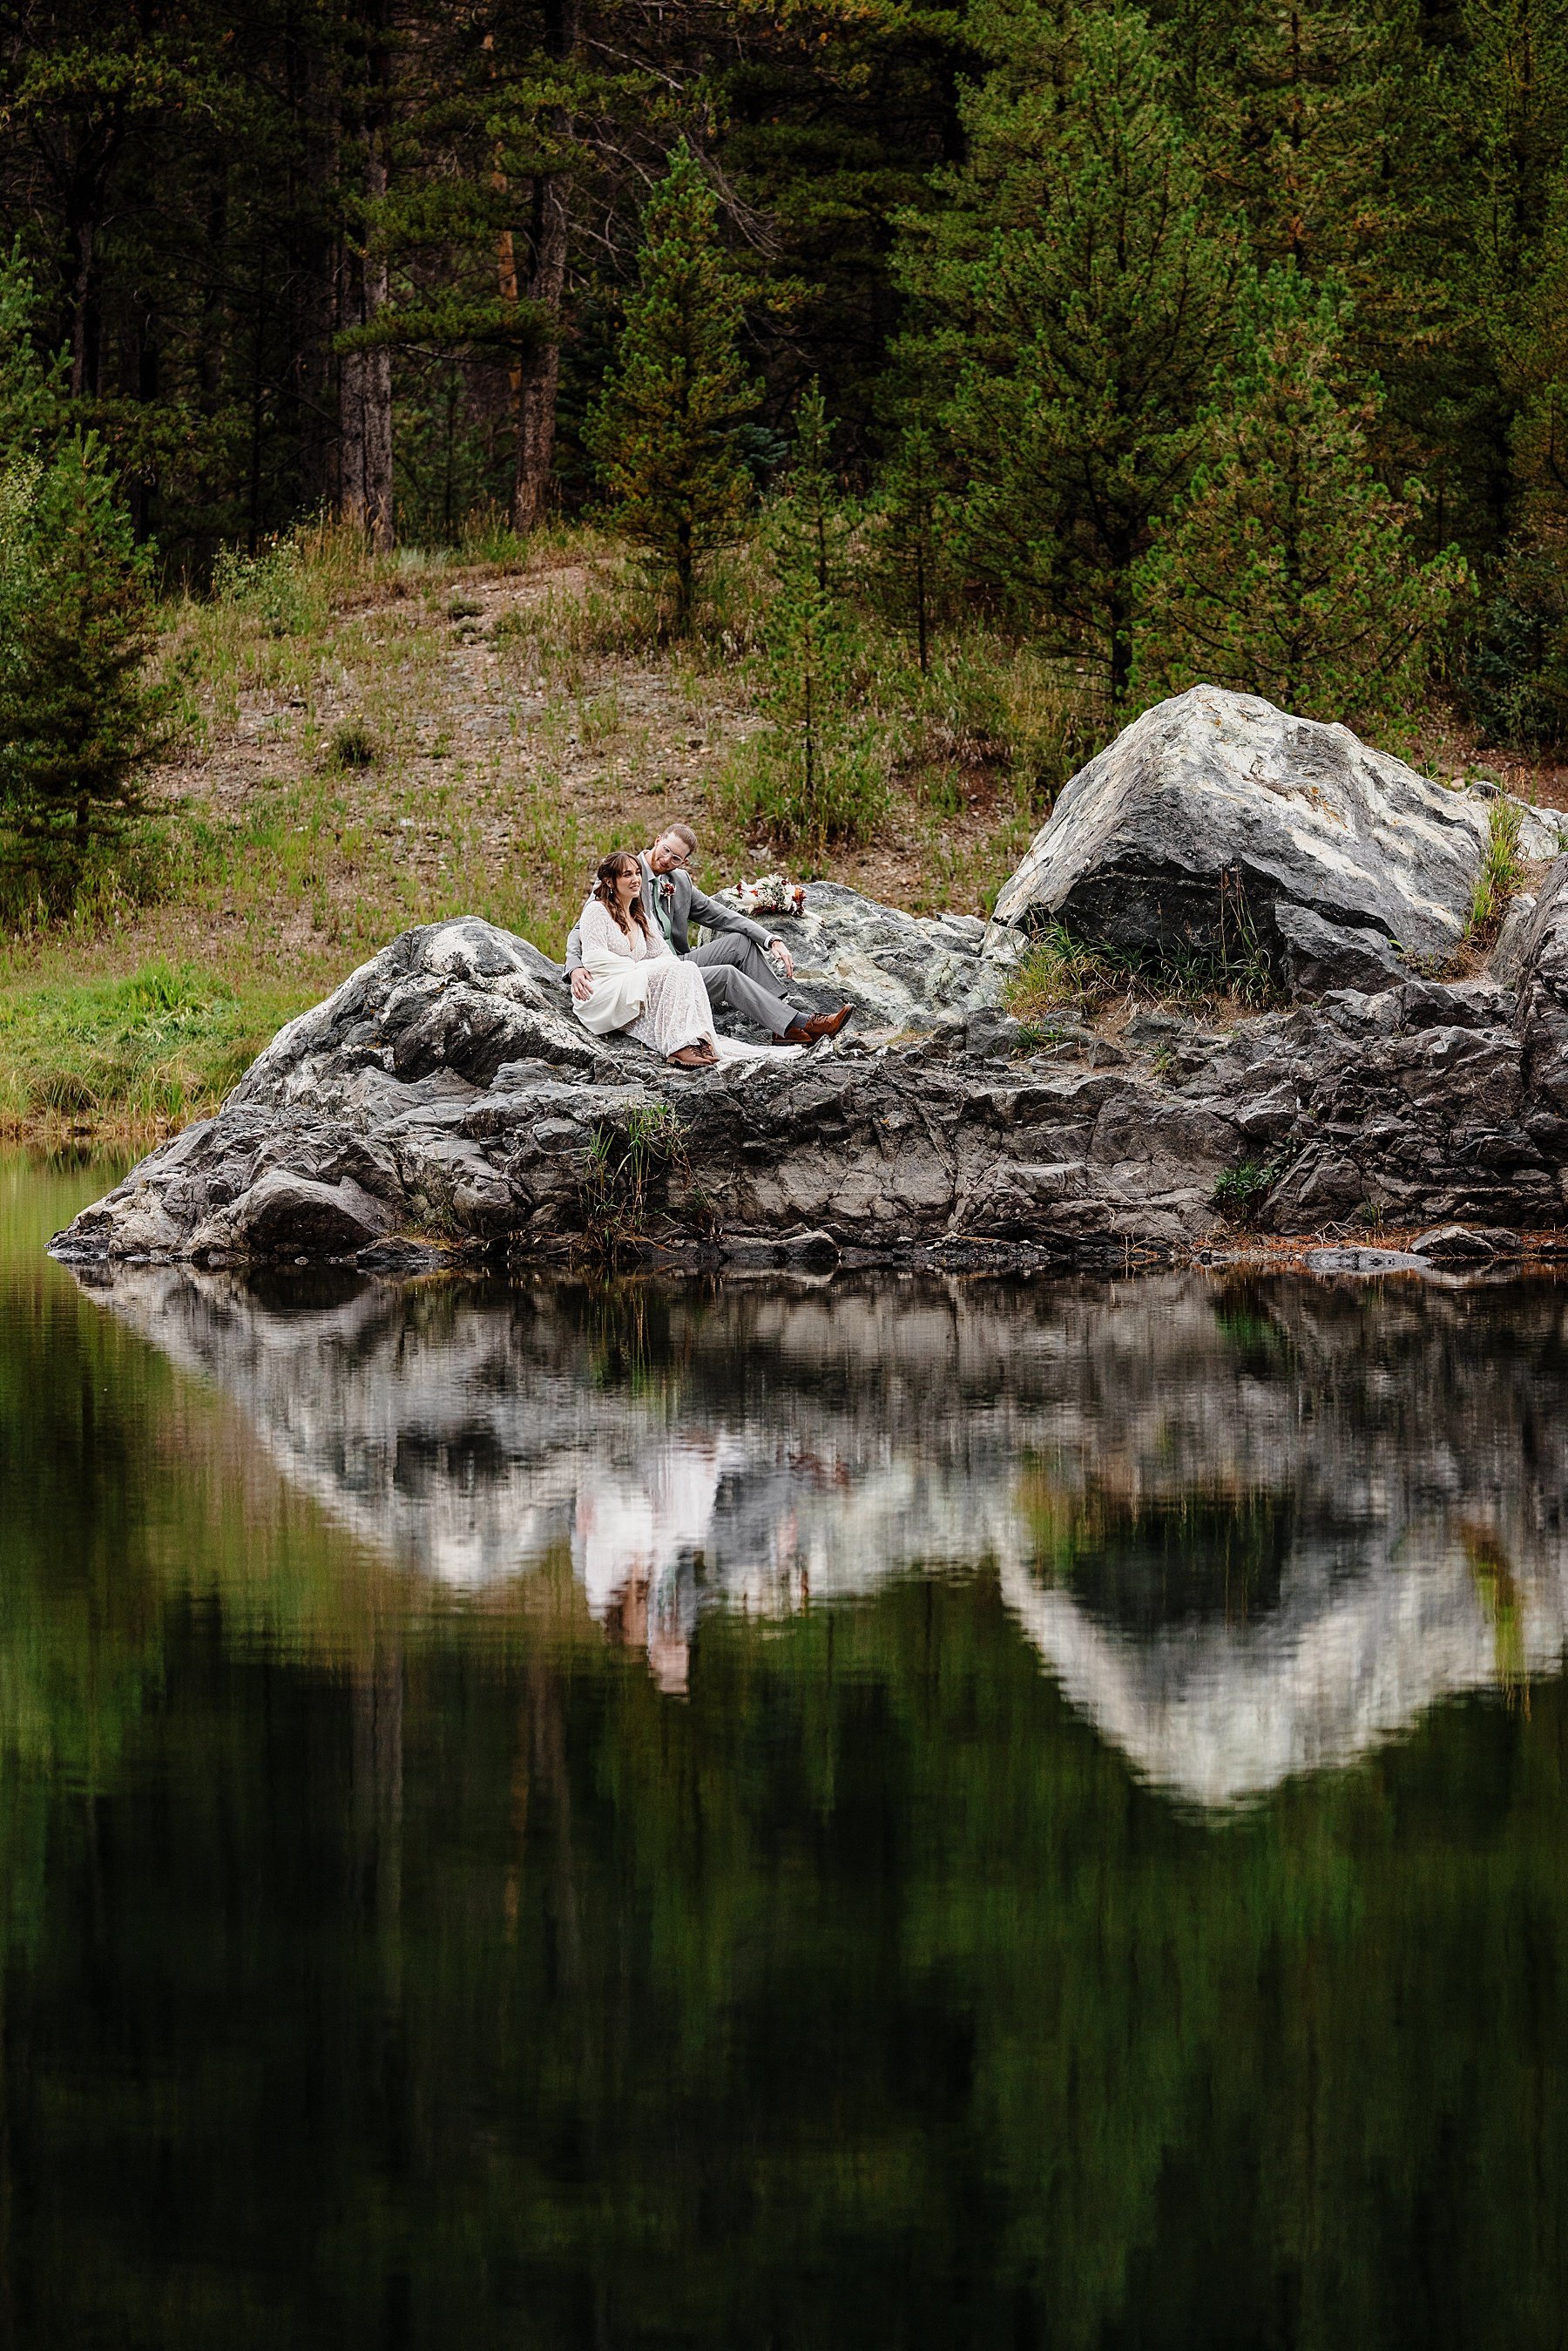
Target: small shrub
[[80, 720], [274, 585], [1241, 1192], [459, 607], [352, 745], [1500, 871]]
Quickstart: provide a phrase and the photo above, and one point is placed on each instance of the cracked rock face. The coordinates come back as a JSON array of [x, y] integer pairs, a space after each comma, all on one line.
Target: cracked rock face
[[446, 1091], [1215, 813]]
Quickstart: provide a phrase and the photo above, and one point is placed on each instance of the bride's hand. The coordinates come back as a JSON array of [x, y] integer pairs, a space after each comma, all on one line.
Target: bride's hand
[[582, 984]]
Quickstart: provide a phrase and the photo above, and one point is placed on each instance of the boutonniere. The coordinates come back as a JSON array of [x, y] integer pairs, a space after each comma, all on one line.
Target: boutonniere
[[666, 886]]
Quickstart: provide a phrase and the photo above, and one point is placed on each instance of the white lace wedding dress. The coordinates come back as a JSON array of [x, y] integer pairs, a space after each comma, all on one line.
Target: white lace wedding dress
[[675, 1008]]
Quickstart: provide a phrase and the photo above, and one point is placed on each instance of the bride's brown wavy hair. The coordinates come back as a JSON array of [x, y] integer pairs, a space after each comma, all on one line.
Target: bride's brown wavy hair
[[619, 861]]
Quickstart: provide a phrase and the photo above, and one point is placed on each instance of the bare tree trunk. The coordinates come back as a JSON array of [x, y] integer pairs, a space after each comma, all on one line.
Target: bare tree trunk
[[538, 378], [377, 394], [84, 355], [366, 375], [314, 284]]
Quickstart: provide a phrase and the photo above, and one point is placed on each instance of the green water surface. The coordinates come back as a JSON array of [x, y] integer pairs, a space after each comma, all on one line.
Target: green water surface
[[860, 1814]]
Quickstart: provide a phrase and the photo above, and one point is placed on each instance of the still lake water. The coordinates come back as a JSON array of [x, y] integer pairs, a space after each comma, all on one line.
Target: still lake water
[[869, 1813]]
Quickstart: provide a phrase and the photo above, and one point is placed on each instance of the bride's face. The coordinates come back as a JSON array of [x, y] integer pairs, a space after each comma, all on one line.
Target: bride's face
[[626, 886]]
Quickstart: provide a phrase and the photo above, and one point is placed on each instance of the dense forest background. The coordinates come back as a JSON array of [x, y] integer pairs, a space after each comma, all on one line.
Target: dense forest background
[[1089, 293]]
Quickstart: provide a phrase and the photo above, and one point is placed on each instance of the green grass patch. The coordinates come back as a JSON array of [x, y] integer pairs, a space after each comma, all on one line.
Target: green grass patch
[[1060, 974], [1230, 969], [159, 1046], [1242, 1191], [1501, 873]]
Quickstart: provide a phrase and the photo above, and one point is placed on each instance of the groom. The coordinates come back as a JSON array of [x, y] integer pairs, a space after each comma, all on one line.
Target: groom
[[744, 969]]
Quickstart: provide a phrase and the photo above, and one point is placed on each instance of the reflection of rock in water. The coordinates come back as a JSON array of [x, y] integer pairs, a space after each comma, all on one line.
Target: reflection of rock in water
[[1251, 1530]]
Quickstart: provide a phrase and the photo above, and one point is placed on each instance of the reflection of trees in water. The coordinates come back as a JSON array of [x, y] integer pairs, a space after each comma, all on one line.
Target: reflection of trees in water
[[862, 1998], [1140, 1566], [384, 1968]]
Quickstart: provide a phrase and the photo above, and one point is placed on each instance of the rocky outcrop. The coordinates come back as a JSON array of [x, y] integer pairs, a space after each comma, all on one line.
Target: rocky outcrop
[[1216, 826], [447, 1095], [446, 1091], [1251, 1527]]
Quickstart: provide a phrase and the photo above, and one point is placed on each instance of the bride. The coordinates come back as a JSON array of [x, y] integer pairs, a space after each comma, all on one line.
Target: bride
[[640, 988]]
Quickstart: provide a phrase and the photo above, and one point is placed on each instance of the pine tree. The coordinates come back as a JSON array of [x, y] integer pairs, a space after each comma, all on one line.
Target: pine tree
[[1305, 129], [1516, 681], [909, 566], [818, 777], [666, 433], [1075, 305], [1287, 568], [78, 721], [32, 389]]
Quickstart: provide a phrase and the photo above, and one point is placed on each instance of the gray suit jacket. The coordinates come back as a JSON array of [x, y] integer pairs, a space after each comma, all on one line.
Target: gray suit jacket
[[687, 904]]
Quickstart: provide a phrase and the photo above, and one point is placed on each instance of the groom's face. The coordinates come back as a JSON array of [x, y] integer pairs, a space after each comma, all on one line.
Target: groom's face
[[668, 852]]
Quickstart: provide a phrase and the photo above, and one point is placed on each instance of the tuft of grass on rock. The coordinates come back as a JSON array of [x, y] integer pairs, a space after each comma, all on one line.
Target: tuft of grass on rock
[[1501, 871], [1061, 974], [628, 1169], [1241, 1192]]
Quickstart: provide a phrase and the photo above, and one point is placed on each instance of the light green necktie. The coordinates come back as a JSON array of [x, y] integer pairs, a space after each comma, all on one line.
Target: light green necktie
[[664, 907]]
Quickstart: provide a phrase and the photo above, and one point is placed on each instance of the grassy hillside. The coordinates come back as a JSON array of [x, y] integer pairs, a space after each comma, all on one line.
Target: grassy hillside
[[373, 745]]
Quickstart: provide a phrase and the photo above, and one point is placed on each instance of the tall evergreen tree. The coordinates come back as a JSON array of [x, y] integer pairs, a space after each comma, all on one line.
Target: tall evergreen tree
[[666, 433], [1073, 303], [32, 389], [1491, 130], [909, 563], [1517, 683], [821, 780], [1286, 570], [78, 721]]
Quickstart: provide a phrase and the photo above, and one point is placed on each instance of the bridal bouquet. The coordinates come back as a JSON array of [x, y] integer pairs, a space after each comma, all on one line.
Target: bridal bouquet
[[769, 894]]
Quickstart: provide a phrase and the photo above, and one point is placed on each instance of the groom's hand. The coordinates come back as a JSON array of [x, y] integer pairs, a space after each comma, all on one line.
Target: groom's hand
[[582, 985], [782, 957]]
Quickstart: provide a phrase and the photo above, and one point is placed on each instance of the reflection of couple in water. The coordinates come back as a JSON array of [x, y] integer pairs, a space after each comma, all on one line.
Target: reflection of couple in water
[[650, 1540], [632, 968], [636, 1541]]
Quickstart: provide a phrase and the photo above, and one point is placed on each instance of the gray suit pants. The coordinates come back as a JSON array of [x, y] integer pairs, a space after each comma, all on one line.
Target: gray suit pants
[[741, 978]]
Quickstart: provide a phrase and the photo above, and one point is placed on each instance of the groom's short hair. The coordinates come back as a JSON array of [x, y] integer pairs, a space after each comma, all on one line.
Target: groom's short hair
[[681, 832]]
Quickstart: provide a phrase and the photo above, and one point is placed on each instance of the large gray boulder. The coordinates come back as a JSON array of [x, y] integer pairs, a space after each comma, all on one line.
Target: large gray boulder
[[1215, 820]]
